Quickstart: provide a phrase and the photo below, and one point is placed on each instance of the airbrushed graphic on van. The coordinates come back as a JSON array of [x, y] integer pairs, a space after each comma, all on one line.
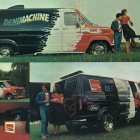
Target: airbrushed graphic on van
[[126, 95], [61, 38], [51, 30]]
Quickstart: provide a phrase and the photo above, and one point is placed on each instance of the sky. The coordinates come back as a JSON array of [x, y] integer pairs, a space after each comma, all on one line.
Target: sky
[[101, 12], [5, 66], [52, 72]]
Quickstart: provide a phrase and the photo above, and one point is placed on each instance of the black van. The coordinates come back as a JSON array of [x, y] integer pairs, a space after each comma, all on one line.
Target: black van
[[98, 100]]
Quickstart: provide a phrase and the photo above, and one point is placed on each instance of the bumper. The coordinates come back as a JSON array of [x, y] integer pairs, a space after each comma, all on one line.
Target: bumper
[[19, 96]]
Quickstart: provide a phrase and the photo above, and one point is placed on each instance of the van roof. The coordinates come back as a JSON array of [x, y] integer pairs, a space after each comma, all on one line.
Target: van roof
[[80, 73], [21, 7]]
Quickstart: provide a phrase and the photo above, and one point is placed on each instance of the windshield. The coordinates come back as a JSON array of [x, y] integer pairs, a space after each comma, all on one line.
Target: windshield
[[9, 83], [87, 20]]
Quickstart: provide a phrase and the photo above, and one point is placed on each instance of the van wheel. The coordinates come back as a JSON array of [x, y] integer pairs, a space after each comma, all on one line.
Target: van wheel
[[98, 48], [73, 128], [107, 122], [6, 51], [9, 96]]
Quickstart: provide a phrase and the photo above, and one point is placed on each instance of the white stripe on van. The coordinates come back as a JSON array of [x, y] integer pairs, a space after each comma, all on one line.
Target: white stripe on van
[[54, 41], [132, 104]]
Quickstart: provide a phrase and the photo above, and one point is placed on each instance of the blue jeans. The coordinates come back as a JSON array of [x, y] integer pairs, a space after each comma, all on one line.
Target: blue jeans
[[44, 118], [117, 41]]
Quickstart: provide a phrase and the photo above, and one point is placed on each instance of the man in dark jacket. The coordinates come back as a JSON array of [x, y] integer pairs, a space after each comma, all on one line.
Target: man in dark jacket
[[117, 28], [42, 100]]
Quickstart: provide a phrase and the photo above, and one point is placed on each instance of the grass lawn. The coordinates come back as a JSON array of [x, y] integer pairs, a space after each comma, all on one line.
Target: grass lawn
[[121, 57], [15, 100], [128, 132]]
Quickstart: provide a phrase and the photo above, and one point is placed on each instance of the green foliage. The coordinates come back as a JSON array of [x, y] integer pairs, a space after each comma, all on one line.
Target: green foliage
[[19, 74]]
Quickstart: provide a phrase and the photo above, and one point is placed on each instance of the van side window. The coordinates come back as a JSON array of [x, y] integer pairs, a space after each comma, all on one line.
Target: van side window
[[1, 84], [95, 86], [92, 86], [70, 19], [108, 85]]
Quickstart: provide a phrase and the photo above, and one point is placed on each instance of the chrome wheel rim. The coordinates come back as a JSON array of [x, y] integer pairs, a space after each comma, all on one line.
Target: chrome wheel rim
[[98, 50], [4, 52], [108, 123]]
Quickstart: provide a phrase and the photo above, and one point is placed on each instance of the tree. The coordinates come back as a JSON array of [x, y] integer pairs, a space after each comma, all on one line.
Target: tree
[[20, 73]]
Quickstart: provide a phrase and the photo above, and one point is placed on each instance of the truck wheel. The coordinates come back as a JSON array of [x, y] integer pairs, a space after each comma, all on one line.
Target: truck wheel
[[6, 51], [107, 122], [73, 128], [9, 96], [98, 48]]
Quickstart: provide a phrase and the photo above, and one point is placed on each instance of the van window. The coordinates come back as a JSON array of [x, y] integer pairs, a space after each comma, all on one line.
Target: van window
[[92, 86], [70, 19], [1, 84], [108, 85], [95, 86]]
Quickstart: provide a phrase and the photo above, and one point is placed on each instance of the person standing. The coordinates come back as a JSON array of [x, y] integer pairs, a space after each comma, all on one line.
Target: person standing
[[117, 28], [128, 32], [57, 108], [42, 100]]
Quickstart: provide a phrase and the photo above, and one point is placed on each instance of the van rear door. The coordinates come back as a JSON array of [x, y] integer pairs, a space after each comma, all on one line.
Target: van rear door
[[71, 31]]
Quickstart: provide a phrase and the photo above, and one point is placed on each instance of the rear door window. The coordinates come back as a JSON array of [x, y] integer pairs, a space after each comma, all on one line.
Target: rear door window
[[108, 85], [95, 86], [92, 86]]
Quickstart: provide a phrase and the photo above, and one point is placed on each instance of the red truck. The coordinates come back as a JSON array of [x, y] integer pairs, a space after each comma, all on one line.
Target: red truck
[[9, 91]]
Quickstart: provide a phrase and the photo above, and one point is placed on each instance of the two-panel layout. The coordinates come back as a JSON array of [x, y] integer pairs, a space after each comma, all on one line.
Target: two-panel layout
[[60, 73]]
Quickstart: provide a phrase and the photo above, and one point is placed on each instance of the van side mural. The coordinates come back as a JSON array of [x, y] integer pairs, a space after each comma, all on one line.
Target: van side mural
[[125, 95], [30, 28], [51, 30]]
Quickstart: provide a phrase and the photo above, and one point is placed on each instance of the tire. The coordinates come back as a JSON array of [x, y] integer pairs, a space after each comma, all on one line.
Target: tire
[[98, 48], [6, 51], [107, 122], [9, 96], [73, 128]]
